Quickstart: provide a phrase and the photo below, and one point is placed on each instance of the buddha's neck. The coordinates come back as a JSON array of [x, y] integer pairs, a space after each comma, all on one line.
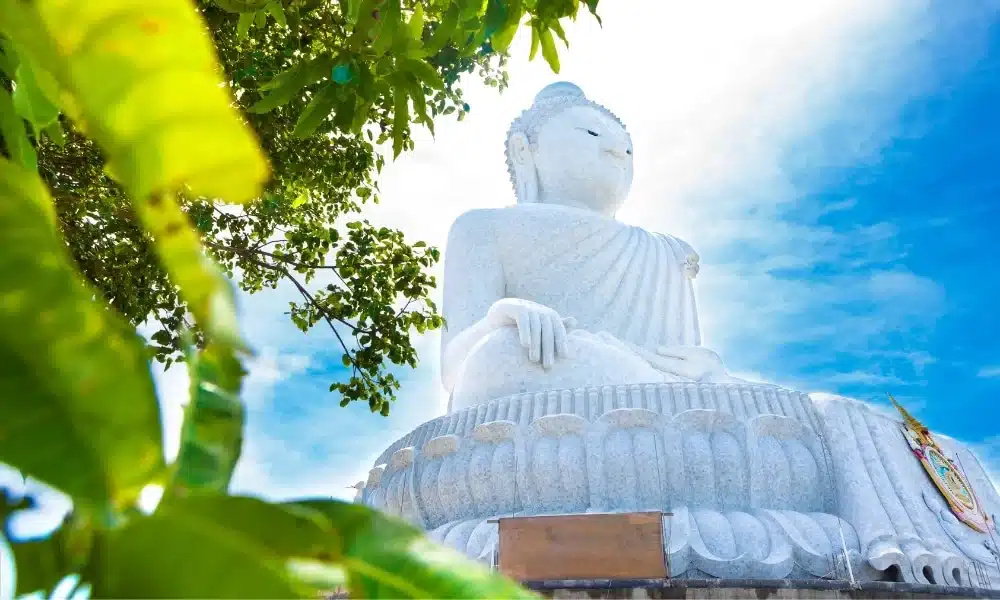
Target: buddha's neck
[[568, 201]]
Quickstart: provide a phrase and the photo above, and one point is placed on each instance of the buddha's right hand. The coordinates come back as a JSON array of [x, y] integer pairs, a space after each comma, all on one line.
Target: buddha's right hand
[[541, 330]]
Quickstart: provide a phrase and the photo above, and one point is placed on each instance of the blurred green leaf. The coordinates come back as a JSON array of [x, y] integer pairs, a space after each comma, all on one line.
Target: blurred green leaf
[[39, 565], [30, 100], [56, 133], [275, 10], [8, 59], [212, 547], [241, 6], [387, 558], [74, 378], [212, 430], [121, 65], [208, 293], [14, 135]]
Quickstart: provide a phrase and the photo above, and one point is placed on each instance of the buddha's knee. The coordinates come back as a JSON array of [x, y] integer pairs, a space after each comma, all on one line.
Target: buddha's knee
[[496, 366], [499, 366]]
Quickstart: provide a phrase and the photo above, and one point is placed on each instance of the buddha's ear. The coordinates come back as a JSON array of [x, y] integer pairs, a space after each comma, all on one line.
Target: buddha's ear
[[523, 166]]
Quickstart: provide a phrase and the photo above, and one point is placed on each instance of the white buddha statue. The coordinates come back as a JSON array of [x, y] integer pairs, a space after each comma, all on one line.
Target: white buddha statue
[[553, 292], [579, 385]]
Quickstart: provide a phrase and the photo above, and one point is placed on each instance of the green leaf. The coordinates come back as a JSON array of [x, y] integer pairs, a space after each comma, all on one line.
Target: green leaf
[[243, 25], [557, 27], [386, 558], [203, 286], [535, 38], [8, 59], [121, 64], [472, 9], [424, 72], [316, 111], [496, 16], [287, 84], [212, 431], [549, 49], [30, 101], [212, 547], [389, 18], [444, 30], [592, 7], [275, 10], [241, 6], [73, 376], [415, 26], [56, 134], [14, 135], [400, 119], [39, 566]]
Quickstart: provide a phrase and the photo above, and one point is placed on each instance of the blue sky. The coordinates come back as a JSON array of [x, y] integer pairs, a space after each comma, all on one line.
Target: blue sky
[[832, 162], [833, 165]]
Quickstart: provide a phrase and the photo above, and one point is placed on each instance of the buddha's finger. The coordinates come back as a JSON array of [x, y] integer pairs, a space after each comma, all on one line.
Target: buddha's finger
[[678, 366], [562, 340], [535, 349], [548, 342], [524, 328], [679, 352]]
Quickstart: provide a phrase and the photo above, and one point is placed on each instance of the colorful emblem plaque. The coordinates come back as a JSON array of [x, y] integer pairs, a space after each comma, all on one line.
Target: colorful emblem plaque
[[944, 473]]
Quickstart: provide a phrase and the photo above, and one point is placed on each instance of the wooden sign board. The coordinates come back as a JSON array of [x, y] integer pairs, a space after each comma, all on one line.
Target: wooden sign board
[[595, 546]]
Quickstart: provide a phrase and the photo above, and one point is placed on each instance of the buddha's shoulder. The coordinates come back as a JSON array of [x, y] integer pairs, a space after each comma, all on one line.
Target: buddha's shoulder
[[483, 220]]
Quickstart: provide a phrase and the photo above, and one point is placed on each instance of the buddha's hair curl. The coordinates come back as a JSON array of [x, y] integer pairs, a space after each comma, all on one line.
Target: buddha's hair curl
[[553, 99]]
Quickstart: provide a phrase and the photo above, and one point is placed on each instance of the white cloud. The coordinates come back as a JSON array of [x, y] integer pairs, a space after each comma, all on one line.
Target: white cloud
[[988, 372], [865, 378]]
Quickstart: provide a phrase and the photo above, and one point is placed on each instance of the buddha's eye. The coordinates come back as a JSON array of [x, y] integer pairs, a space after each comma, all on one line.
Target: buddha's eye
[[591, 132]]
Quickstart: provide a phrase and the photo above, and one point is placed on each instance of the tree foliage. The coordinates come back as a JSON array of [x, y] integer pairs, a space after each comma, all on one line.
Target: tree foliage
[[327, 87], [111, 186]]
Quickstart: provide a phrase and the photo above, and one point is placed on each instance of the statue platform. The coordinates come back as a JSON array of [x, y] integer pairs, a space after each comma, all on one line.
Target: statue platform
[[748, 471]]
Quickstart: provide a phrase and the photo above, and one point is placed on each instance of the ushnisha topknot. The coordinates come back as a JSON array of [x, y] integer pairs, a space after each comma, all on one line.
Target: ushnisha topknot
[[549, 101]]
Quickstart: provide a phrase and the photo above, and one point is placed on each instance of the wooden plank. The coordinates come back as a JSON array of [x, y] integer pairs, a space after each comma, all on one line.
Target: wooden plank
[[597, 546]]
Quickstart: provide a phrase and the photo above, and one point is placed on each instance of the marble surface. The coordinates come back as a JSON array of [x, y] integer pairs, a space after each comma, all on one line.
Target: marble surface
[[578, 384]]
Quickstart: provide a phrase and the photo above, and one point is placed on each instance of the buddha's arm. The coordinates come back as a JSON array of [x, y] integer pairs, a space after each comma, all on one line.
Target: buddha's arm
[[473, 282]]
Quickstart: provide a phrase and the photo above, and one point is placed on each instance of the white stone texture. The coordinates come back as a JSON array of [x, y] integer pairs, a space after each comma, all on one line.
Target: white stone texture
[[578, 384], [899, 515]]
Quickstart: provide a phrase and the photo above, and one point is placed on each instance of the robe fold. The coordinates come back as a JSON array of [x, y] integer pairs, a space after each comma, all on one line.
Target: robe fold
[[607, 275]]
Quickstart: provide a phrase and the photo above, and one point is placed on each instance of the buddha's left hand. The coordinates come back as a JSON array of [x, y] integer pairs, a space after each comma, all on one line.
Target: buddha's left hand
[[695, 363], [690, 362]]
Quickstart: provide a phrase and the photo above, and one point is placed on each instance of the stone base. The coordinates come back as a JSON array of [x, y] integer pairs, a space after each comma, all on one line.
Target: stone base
[[761, 482], [751, 589]]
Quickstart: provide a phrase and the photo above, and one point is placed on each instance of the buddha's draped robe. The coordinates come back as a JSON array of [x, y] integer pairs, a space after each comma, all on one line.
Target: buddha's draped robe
[[609, 276], [614, 279]]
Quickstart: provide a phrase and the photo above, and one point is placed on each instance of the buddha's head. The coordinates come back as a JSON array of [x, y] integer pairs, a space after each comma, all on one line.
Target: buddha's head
[[566, 149]]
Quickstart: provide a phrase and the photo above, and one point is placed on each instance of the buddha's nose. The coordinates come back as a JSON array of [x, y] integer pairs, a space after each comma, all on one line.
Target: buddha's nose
[[618, 148]]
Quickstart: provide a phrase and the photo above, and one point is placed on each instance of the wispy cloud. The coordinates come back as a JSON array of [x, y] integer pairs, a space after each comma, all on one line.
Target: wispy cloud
[[989, 372]]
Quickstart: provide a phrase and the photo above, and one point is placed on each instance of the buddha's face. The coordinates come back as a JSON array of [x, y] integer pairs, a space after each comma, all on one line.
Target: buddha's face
[[583, 158]]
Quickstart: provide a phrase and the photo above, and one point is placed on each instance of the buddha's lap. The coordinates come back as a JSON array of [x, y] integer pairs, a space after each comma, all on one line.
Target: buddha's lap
[[499, 366]]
